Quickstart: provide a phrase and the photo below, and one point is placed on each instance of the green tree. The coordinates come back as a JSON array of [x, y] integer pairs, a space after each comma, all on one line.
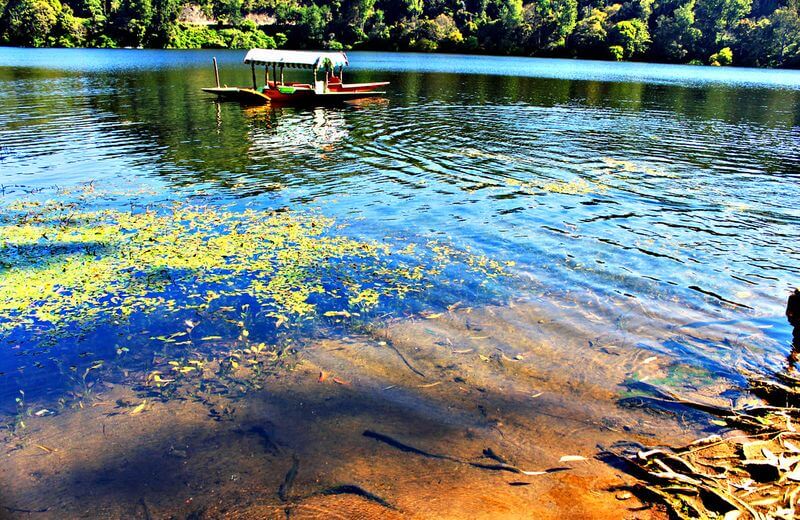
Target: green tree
[[351, 19], [722, 58], [504, 33], [641, 9], [163, 24], [189, 36], [717, 19], [246, 39], [287, 13], [441, 33], [753, 39], [412, 7], [675, 37], [547, 23], [591, 33], [632, 36], [131, 22], [69, 30], [95, 22], [399, 11], [28, 23], [312, 27], [785, 49], [228, 10]]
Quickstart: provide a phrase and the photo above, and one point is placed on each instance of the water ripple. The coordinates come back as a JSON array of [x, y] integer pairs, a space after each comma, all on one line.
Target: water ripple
[[682, 195]]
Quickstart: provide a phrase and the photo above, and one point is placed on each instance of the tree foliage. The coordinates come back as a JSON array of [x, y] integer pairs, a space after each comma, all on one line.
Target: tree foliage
[[719, 32], [632, 36], [30, 22]]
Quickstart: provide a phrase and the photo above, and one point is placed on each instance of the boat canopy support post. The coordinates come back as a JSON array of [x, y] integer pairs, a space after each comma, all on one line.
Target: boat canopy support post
[[266, 76], [282, 75], [216, 71], [253, 69]]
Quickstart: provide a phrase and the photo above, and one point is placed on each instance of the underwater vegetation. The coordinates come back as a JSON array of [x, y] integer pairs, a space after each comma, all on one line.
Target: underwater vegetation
[[161, 293]]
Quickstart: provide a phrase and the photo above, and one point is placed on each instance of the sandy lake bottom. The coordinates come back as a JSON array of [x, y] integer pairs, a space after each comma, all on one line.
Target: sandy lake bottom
[[377, 425]]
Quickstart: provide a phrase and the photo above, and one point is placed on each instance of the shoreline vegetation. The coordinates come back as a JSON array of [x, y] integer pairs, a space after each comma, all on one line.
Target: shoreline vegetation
[[752, 471], [760, 33]]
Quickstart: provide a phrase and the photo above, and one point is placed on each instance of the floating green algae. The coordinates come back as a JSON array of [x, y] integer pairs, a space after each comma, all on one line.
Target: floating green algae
[[95, 262], [177, 288]]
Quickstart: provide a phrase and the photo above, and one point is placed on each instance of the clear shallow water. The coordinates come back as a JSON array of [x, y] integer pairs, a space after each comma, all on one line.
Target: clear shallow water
[[682, 193], [662, 202], [645, 185]]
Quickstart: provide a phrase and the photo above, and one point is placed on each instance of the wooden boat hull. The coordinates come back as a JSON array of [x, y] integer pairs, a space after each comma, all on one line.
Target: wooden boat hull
[[249, 96], [246, 96], [356, 87], [312, 98]]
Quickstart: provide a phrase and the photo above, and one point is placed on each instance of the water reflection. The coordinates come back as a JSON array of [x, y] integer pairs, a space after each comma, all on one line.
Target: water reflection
[[320, 129], [636, 188]]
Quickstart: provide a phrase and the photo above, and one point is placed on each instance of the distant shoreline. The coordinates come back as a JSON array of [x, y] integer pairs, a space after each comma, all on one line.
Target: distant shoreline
[[694, 32], [454, 54]]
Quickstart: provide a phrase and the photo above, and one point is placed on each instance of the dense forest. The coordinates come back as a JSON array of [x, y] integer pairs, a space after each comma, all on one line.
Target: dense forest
[[717, 32]]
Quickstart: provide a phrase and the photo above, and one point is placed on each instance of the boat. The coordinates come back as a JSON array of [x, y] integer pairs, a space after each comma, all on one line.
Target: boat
[[326, 87]]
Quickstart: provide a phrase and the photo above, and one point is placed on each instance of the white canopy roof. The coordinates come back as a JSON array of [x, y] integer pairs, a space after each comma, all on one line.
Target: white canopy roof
[[297, 59]]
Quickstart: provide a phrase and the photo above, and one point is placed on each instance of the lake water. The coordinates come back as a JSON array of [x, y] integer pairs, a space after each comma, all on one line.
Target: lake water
[[576, 226]]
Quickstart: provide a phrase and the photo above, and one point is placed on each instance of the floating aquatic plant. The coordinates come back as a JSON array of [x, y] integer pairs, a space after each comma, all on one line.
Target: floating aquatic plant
[[574, 187], [205, 276], [111, 262]]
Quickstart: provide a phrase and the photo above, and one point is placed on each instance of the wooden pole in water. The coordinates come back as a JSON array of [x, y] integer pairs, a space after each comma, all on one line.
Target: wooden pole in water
[[216, 71], [253, 69]]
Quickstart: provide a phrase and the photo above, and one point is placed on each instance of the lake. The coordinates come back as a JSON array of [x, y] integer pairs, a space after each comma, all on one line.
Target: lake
[[210, 310]]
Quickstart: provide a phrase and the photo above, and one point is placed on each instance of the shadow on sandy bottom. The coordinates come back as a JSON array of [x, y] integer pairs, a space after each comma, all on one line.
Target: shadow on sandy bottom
[[174, 461], [5, 508], [495, 385]]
